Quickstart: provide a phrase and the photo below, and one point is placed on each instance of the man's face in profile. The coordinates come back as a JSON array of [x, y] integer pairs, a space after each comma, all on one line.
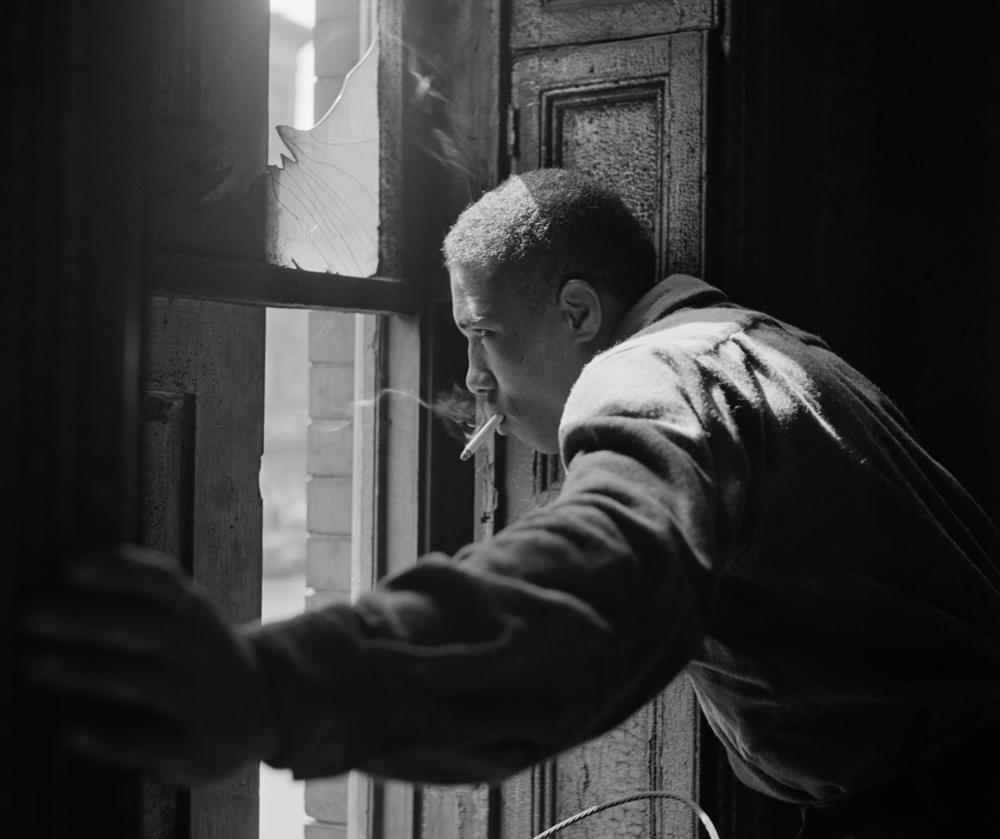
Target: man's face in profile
[[521, 362]]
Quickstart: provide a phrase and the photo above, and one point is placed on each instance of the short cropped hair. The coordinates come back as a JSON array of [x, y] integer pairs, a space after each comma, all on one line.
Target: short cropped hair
[[538, 229]]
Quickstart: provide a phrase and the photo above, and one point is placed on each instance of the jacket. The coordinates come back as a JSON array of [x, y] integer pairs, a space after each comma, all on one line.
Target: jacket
[[739, 504]]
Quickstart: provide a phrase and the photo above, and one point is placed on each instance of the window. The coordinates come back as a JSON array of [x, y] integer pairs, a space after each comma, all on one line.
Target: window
[[331, 432]]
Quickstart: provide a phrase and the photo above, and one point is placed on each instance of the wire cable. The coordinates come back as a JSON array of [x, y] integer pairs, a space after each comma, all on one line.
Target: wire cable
[[636, 796]]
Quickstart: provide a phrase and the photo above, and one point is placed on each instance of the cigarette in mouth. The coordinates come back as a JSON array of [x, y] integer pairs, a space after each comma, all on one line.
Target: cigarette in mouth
[[481, 435]]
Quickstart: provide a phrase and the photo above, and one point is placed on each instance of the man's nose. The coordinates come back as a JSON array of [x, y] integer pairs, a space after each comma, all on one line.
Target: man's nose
[[478, 379]]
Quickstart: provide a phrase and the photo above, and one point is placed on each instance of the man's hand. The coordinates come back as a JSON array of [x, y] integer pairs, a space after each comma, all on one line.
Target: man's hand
[[179, 692]]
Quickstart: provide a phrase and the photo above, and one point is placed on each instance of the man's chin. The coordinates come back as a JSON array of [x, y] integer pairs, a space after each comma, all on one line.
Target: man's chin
[[529, 438], [536, 444]]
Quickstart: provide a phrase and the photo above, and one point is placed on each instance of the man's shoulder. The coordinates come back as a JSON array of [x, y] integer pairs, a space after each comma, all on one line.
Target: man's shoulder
[[653, 371], [703, 330], [680, 359], [686, 332]]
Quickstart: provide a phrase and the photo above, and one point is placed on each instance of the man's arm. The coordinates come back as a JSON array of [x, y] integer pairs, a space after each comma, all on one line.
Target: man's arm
[[454, 670], [165, 684], [546, 635]]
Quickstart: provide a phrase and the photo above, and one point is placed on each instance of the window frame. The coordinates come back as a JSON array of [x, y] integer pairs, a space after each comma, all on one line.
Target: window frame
[[257, 282]]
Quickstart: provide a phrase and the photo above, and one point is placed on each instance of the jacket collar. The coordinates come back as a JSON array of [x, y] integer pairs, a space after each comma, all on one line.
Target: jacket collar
[[678, 291]]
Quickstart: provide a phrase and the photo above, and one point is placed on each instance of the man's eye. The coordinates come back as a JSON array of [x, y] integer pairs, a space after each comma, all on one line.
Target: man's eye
[[480, 333]]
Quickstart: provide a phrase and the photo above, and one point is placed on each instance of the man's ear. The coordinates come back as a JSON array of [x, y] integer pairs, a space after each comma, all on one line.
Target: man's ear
[[580, 306]]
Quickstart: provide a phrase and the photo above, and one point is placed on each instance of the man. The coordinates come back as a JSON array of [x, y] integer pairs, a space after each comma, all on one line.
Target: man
[[738, 502]]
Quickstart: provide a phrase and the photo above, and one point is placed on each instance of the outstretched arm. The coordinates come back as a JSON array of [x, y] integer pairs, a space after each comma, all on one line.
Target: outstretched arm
[[455, 670], [165, 683]]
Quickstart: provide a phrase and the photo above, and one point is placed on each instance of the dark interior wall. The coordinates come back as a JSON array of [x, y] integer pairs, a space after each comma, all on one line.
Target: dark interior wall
[[74, 260], [860, 167], [854, 191]]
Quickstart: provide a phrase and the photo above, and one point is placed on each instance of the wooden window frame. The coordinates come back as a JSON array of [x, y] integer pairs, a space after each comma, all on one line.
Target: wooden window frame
[[263, 284], [388, 433], [256, 282]]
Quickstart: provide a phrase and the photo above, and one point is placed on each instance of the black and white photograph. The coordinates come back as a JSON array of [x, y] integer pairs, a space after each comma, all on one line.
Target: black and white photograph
[[501, 419]]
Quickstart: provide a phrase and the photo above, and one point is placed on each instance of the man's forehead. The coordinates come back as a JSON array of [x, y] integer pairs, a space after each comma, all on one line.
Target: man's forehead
[[475, 295], [472, 280], [468, 310]]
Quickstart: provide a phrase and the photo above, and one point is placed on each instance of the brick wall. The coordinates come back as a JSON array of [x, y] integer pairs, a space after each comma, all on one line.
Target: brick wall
[[328, 499], [342, 27]]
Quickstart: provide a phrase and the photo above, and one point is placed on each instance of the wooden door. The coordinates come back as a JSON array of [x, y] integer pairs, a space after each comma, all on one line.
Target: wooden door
[[88, 189], [203, 438], [204, 387], [618, 91]]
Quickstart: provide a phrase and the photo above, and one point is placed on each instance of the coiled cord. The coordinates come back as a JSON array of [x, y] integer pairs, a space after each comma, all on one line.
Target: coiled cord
[[636, 796]]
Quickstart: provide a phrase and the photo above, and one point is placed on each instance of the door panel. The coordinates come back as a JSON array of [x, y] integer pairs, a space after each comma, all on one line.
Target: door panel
[[204, 422], [632, 115], [209, 101], [546, 23], [165, 524], [204, 403], [203, 437]]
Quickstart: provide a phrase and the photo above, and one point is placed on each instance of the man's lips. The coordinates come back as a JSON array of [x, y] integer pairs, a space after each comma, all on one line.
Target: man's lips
[[489, 410]]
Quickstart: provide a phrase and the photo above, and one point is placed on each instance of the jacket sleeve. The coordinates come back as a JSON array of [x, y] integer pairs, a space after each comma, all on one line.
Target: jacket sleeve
[[470, 668]]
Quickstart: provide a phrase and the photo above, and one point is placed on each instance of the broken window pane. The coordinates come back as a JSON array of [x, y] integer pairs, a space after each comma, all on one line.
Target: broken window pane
[[323, 200]]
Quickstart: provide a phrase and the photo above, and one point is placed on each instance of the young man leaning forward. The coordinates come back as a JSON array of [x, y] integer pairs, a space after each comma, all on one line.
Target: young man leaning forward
[[739, 504]]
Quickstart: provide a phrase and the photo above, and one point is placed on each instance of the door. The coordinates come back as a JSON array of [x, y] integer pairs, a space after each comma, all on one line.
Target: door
[[204, 385], [618, 92], [202, 442]]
